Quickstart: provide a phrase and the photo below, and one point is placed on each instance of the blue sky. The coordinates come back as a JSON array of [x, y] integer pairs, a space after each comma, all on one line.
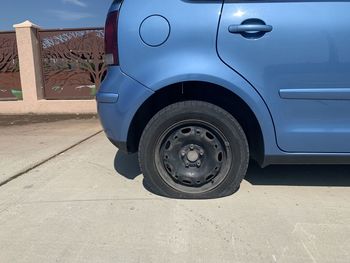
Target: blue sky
[[54, 13]]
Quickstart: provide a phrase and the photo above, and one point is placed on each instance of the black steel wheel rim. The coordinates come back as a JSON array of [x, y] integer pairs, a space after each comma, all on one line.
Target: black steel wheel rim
[[193, 156]]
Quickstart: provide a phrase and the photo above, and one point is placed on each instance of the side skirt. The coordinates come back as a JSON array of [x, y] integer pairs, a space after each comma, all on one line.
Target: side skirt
[[307, 158]]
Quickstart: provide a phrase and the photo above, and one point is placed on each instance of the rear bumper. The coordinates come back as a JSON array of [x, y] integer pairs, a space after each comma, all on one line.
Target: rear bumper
[[118, 100]]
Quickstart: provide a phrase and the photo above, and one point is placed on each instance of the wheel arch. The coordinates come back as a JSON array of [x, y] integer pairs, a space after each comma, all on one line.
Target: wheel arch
[[253, 125]]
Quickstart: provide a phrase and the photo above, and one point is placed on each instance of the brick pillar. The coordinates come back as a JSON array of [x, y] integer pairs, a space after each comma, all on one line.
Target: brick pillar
[[29, 61]]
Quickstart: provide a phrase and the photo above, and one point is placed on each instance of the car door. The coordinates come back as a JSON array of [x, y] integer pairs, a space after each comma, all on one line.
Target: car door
[[296, 54]]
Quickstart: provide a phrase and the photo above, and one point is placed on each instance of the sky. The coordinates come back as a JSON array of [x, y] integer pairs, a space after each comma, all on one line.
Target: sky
[[52, 14]]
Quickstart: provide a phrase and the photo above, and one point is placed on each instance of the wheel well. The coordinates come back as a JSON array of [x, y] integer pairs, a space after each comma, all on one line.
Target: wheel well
[[196, 90]]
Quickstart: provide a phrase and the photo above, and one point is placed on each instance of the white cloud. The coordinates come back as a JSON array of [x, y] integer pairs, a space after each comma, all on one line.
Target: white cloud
[[75, 2], [70, 16]]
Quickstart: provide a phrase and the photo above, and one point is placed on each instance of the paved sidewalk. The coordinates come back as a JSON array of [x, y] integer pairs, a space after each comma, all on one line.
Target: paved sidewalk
[[90, 205], [24, 146]]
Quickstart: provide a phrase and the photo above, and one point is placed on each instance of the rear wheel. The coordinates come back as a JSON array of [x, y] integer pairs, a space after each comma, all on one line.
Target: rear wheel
[[193, 149]]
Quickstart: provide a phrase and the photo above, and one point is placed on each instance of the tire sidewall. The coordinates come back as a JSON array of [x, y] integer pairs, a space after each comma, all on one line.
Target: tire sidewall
[[202, 111]]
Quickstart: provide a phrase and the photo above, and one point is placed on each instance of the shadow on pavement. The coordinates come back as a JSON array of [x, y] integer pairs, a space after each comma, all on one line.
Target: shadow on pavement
[[127, 165], [293, 175], [299, 175]]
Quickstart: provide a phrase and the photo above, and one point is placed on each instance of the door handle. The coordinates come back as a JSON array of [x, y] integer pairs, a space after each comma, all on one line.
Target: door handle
[[246, 28]]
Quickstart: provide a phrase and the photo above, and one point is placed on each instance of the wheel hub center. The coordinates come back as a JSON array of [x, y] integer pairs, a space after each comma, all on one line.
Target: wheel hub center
[[192, 156]]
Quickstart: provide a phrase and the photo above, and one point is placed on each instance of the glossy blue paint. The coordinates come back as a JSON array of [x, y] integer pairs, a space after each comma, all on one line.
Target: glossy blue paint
[[291, 73], [189, 53], [155, 30], [308, 49], [116, 117]]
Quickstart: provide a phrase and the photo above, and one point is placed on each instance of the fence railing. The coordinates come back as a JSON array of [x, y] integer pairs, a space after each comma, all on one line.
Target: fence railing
[[10, 82], [72, 62], [50, 71]]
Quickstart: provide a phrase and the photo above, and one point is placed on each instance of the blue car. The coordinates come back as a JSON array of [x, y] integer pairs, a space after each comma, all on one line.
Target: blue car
[[200, 88]]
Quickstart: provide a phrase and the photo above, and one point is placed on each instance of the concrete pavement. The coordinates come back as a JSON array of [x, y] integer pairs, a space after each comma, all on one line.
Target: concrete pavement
[[89, 205], [25, 146]]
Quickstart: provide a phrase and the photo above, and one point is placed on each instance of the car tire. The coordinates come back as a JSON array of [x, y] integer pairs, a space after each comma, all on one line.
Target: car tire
[[193, 150]]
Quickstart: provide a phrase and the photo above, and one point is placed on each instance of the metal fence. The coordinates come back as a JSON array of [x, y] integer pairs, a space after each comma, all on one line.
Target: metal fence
[[72, 62], [10, 82]]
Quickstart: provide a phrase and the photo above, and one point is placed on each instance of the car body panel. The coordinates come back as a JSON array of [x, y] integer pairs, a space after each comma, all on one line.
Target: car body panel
[[190, 53], [118, 100], [301, 68]]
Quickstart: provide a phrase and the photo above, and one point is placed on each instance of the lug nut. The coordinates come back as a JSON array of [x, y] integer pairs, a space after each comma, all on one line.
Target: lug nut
[[187, 164], [201, 152], [192, 147], [199, 164], [183, 153]]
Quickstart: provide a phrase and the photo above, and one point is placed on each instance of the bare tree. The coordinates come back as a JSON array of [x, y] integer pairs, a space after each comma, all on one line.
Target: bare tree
[[73, 59], [9, 65]]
